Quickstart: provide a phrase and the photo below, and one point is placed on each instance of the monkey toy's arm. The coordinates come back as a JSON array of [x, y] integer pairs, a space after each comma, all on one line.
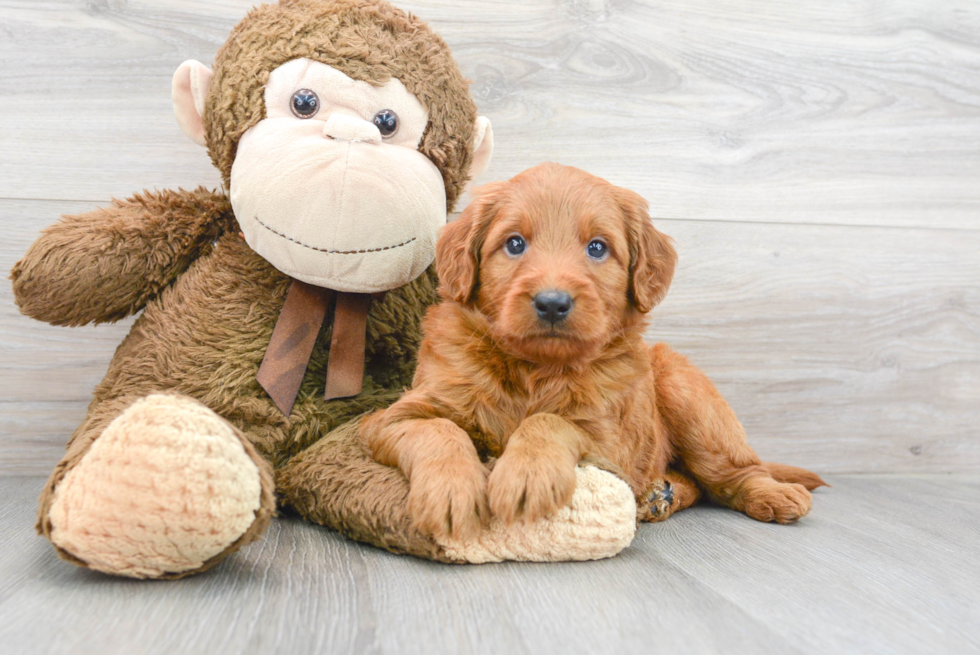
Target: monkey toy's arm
[[104, 265]]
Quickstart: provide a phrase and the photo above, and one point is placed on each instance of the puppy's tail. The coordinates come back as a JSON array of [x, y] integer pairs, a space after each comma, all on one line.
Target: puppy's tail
[[794, 474]]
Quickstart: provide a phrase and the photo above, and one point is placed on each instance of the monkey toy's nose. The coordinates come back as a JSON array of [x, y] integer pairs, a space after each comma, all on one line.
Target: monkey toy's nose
[[553, 306], [348, 128]]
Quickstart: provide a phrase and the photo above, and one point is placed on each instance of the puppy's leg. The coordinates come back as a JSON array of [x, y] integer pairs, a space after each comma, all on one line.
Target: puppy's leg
[[665, 497], [535, 475], [711, 442], [447, 481], [787, 473]]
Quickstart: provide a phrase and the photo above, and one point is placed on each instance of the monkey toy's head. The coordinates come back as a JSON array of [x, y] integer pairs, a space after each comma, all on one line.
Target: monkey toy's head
[[344, 133]]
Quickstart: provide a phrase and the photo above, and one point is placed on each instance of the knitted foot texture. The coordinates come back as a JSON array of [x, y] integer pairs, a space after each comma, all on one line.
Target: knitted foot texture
[[599, 522], [166, 488]]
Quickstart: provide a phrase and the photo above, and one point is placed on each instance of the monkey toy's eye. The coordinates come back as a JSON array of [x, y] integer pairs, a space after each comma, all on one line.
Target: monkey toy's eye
[[387, 122], [597, 249], [305, 103], [515, 245]]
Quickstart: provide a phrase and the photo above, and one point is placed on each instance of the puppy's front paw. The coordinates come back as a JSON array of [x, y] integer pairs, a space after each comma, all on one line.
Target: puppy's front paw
[[529, 488], [764, 499], [449, 498]]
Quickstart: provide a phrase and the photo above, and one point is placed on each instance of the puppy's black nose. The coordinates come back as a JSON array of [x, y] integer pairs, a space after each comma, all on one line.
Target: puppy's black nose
[[553, 306]]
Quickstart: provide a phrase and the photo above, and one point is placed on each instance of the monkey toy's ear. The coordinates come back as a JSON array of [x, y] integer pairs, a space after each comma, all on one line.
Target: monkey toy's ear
[[190, 89], [482, 147]]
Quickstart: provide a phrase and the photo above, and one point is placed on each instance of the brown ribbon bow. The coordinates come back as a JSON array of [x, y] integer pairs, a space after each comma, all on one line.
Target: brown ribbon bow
[[294, 336]]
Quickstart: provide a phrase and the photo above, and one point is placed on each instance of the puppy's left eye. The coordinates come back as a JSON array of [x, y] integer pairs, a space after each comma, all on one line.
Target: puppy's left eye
[[597, 249], [515, 245]]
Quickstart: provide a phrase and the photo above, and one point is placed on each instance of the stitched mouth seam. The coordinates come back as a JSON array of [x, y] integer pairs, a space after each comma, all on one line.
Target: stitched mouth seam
[[334, 252]]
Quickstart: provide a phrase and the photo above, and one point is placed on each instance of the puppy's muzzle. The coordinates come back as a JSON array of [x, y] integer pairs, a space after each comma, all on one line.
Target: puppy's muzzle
[[553, 306]]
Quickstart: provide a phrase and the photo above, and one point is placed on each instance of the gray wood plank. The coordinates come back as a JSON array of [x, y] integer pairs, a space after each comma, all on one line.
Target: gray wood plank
[[834, 112], [883, 564], [46, 363], [894, 556], [33, 434], [844, 349]]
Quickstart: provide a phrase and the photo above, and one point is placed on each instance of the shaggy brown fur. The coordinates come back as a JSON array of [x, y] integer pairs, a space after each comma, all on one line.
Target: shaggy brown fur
[[367, 40], [496, 379], [139, 247], [210, 303]]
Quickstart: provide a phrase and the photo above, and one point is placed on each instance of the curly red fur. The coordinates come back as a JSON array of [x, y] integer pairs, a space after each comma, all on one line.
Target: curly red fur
[[495, 379]]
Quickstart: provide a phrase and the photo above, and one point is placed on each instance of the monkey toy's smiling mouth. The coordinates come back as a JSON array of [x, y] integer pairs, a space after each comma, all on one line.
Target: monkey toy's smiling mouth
[[361, 251], [336, 181], [356, 217], [330, 186]]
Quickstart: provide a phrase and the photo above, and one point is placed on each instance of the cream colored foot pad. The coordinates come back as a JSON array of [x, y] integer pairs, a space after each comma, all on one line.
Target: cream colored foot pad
[[599, 522], [166, 487]]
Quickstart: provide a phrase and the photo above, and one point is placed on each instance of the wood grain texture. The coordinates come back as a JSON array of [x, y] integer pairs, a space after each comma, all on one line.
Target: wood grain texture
[[843, 349], [836, 112], [883, 564], [796, 145]]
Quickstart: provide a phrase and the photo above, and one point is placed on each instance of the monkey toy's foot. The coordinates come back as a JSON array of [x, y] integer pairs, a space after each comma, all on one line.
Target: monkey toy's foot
[[168, 489], [599, 522]]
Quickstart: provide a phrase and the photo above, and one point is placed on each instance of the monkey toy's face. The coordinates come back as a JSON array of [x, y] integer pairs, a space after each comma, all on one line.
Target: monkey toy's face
[[330, 186]]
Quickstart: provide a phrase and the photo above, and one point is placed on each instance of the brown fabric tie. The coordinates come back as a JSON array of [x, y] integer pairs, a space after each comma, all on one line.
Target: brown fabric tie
[[345, 367], [302, 315]]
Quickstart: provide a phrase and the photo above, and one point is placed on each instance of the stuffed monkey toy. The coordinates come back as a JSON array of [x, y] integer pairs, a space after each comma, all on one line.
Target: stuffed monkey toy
[[279, 310]]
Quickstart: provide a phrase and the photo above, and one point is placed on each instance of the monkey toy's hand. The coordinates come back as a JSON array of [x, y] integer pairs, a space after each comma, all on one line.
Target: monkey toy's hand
[[104, 265]]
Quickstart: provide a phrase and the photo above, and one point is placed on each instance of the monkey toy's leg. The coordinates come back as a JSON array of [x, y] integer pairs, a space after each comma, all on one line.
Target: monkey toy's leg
[[710, 442], [336, 483], [155, 487]]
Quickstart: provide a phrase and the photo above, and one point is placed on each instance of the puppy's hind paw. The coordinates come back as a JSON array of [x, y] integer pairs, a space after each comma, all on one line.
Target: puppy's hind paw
[[765, 499], [659, 500]]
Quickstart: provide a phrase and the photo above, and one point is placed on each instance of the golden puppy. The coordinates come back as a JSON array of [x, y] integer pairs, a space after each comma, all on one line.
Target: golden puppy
[[536, 356]]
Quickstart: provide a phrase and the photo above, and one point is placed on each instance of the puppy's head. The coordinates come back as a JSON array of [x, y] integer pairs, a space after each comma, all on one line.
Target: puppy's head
[[559, 261]]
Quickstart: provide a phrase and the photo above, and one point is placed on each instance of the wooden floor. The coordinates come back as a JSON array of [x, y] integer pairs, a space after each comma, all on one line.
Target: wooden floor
[[884, 564]]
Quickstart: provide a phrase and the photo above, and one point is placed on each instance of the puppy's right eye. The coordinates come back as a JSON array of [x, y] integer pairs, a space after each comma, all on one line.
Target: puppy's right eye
[[515, 245]]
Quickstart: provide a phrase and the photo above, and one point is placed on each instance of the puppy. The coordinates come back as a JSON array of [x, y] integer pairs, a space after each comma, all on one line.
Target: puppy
[[535, 356]]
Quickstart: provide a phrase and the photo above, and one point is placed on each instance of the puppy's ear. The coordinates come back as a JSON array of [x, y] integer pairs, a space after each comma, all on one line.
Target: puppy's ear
[[458, 248], [652, 254]]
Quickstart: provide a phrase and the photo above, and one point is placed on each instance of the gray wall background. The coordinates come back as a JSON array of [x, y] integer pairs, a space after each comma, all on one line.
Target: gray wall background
[[817, 163]]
